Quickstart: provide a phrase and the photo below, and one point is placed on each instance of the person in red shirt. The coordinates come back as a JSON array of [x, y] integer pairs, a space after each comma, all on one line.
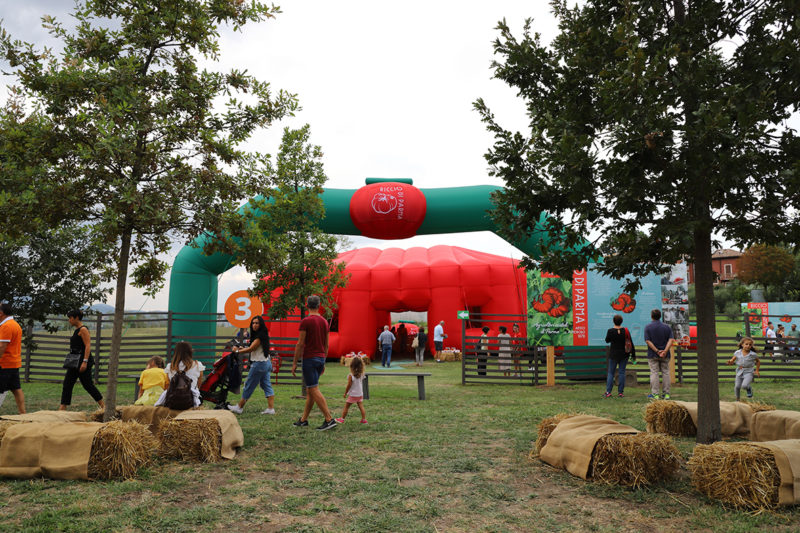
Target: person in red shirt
[[11, 358], [312, 346]]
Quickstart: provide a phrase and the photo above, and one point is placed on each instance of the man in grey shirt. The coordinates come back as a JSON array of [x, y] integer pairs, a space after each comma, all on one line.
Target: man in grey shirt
[[385, 339]]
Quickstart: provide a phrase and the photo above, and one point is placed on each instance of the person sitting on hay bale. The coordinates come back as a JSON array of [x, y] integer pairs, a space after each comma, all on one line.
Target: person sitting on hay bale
[[747, 365], [152, 382], [182, 362]]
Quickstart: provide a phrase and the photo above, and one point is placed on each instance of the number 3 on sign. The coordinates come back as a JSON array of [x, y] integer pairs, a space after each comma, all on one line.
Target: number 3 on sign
[[240, 308]]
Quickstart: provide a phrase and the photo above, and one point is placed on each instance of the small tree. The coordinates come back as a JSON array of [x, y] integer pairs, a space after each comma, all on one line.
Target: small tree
[[278, 236], [769, 266], [654, 125], [139, 145]]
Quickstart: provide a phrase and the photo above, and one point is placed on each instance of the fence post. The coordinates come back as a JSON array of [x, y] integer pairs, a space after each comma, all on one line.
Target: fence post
[[98, 335], [747, 325], [679, 356], [463, 352], [551, 365], [28, 352], [673, 378], [169, 333]]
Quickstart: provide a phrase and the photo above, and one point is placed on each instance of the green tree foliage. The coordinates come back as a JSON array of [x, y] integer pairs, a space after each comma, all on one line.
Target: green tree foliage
[[728, 296], [50, 273], [278, 237], [766, 265], [144, 142], [654, 125]]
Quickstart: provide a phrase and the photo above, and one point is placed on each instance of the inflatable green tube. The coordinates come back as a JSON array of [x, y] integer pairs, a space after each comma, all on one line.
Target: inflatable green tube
[[383, 209]]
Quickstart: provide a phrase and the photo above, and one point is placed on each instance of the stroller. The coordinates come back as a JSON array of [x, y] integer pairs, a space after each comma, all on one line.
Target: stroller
[[225, 377]]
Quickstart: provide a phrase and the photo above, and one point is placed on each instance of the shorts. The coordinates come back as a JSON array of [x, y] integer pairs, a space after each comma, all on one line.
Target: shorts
[[354, 399], [438, 345], [313, 367], [9, 379]]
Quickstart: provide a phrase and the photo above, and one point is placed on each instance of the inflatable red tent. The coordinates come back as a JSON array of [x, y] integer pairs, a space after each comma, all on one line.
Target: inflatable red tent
[[441, 280]]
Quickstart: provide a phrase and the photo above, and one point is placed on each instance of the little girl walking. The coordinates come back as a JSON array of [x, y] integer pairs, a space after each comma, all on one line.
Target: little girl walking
[[746, 361], [354, 392]]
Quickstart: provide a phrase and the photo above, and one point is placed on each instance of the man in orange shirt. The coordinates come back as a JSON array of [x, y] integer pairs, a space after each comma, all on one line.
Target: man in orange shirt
[[11, 358]]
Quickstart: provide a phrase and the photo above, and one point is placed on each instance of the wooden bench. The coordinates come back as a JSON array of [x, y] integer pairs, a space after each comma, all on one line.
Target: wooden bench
[[420, 381]]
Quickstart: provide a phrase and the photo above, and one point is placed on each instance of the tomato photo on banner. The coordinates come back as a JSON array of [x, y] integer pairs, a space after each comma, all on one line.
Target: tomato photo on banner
[[549, 309], [240, 308]]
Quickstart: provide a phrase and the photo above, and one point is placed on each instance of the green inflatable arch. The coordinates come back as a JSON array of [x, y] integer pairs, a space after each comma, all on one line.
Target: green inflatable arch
[[193, 280]]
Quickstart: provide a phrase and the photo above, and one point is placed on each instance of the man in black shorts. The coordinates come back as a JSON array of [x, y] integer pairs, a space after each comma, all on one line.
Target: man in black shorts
[[312, 346], [10, 357]]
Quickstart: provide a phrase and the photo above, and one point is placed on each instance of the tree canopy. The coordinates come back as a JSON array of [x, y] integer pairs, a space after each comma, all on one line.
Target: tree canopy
[[278, 237], [655, 127], [770, 266], [143, 142]]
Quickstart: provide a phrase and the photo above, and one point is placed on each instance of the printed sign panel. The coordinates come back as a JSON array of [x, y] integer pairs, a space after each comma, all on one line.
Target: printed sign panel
[[561, 313], [780, 314], [675, 302]]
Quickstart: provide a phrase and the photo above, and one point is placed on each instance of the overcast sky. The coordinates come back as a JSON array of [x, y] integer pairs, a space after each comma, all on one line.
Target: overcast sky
[[387, 88]]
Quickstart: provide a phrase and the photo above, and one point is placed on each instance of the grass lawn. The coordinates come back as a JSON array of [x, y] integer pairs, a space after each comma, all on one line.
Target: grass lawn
[[456, 462]]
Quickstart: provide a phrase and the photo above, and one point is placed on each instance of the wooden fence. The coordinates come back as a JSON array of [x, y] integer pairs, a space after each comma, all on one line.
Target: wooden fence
[[541, 365], [139, 343]]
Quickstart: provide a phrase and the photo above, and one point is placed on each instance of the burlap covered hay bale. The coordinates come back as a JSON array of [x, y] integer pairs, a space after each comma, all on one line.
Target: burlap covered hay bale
[[191, 440], [670, 418], [5, 424], [97, 416], [600, 449], [741, 474], [545, 428], [149, 415], [48, 416], [634, 460], [775, 425], [120, 449], [758, 407]]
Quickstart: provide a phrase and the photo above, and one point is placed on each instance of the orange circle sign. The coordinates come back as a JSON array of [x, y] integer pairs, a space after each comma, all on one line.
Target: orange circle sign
[[240, 308]]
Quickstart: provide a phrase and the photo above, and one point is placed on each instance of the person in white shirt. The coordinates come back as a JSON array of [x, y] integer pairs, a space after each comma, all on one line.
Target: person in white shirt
[[770, 344], [438, 338]]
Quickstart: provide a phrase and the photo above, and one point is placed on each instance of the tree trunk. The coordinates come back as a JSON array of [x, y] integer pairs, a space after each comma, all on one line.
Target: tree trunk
[[708, 421], [116, 335]]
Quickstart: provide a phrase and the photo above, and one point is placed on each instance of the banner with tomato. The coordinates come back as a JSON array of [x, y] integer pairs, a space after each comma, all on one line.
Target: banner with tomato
[[779, 313], [675, 303], [579, 313]]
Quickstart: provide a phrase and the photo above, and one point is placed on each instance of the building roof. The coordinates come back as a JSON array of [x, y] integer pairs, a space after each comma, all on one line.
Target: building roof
[[724, 253]]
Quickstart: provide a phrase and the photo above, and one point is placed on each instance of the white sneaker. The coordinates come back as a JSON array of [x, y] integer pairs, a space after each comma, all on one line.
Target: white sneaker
[[268, 411], [3, 397], [235, 408]]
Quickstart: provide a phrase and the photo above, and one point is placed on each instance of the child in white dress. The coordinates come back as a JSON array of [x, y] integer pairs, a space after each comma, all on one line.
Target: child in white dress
[[354, 392]]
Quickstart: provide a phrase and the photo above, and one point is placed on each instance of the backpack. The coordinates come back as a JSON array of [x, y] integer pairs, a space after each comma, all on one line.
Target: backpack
[[628, 342], [179, 394]]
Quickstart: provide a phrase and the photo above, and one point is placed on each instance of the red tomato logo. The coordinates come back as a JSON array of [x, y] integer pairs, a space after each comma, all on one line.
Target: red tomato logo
[[552, 302], [786, 318], [623, 303]]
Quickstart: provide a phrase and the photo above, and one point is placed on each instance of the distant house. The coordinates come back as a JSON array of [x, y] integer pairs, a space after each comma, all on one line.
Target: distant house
[[725, 263]]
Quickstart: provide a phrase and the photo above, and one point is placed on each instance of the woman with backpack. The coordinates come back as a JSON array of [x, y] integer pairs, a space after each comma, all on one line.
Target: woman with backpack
[[620, 348], [185, 377]]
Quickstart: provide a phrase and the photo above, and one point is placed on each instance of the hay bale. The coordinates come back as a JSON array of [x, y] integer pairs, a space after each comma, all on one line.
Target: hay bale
[[670, 418], [5, 424], [191, 440], [740, 474], [634, 460], [758, 407], [120, 449], [545, 428]]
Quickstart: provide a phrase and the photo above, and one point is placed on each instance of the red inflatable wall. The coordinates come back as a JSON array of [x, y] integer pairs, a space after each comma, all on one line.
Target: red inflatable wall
[[441, 280]]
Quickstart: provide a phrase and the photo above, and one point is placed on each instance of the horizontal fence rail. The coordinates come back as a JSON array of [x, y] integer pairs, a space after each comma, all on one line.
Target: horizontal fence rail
[[145, 335]]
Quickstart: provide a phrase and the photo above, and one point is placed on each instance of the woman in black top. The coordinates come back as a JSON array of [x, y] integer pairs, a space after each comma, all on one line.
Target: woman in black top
[[80, 342], [617, 357]]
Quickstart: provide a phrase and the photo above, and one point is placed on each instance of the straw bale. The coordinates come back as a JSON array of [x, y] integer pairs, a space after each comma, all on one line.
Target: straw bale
[[670, 418], [758, 407], [120, 449], [740, 474], [545, 428], [634, 460], [5, 424], [191, 440]]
